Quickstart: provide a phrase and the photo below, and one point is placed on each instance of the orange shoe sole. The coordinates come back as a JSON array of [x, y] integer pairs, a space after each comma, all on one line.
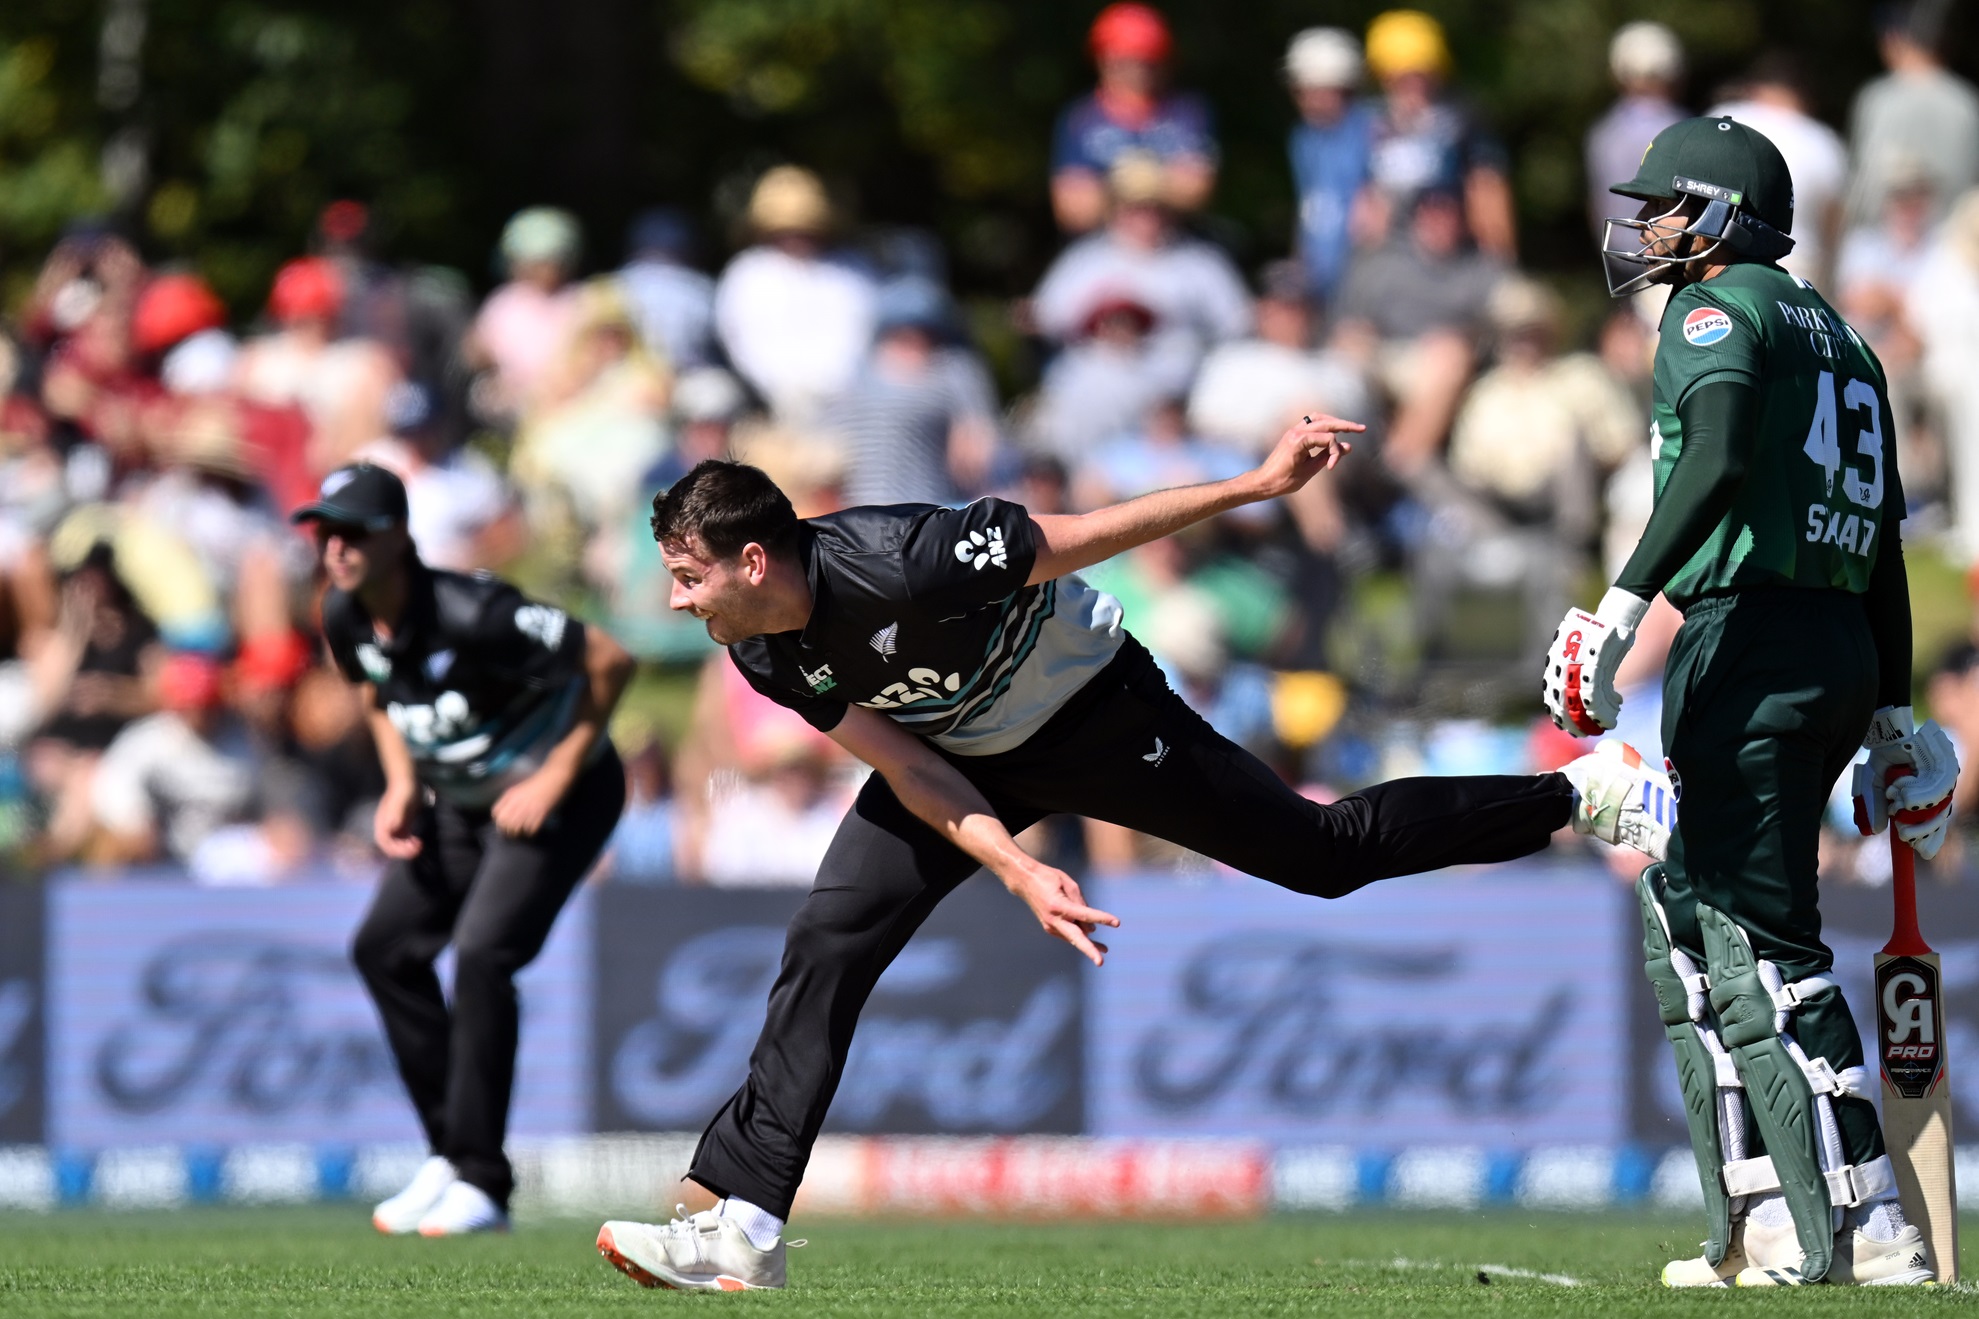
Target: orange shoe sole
[[609, 1249]]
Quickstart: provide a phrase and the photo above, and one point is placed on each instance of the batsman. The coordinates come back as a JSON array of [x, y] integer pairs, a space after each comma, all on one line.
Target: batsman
[[1776, 531]]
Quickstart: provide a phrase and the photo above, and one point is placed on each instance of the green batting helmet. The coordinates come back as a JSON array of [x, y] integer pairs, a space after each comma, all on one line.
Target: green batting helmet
[[1745, 185]]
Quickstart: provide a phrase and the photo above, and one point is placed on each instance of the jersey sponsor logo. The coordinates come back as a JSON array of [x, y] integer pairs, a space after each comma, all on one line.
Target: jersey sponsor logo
[[543, 623], [372, 660], [981, 549], [821, 679], [886, 641], [921, 685], [427, 726], [1706, 326]]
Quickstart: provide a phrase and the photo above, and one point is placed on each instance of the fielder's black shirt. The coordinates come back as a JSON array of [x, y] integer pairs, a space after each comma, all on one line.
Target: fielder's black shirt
[[921, 612], [480, 680]]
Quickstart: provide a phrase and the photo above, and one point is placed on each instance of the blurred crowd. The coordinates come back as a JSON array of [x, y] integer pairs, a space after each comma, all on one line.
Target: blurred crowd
[[162, 694]]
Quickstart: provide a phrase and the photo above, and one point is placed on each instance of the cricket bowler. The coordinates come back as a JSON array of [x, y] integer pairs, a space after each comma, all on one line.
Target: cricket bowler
[[1777, 532], [956, 651]]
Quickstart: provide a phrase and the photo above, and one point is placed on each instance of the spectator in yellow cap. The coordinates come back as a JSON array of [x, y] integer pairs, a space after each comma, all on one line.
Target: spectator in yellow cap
[[1428, 138]]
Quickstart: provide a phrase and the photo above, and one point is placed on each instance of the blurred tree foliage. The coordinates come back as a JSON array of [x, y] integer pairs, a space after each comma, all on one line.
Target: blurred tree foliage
[[448, 114]]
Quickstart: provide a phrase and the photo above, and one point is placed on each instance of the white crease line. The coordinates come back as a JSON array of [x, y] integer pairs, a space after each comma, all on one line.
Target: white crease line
[[1505, 1270], [1500, 1270]]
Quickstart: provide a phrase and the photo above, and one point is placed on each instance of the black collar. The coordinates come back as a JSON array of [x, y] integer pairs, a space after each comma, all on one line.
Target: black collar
[[809, 555]]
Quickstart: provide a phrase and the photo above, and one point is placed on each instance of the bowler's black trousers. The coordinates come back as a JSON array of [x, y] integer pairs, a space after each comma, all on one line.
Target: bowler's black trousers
[[1125, 749], [494, 899]]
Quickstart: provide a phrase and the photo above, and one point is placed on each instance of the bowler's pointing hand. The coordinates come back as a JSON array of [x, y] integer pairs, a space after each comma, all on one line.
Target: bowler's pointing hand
[[1303, 452]]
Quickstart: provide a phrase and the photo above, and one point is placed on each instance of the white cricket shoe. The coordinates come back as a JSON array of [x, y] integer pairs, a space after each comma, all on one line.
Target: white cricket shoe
[[463, 1208], [1700, 1272], [1860, 1261], [401, 1214], [1620, 800], [698, 1252]]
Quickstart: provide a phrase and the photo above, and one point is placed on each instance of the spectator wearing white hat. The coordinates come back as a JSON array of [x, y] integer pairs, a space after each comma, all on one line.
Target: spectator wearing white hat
[[794, 317], [524, 325], [1329, 147], [1647, 63]]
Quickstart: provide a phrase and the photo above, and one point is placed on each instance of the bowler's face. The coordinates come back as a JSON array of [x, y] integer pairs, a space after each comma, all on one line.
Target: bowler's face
[[721, 593]]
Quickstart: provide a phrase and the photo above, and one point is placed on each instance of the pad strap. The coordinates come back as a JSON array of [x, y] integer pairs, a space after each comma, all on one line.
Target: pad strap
[[1854, 1184], [1787, 998], [1822, 1078]]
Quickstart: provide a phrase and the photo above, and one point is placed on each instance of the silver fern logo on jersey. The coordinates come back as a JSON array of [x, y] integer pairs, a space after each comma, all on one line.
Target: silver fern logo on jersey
[[981, 549], [886, 641], [543, 623]]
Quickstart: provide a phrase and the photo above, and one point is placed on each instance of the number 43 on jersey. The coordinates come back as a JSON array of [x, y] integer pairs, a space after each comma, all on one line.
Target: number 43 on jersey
[[1848, 530]]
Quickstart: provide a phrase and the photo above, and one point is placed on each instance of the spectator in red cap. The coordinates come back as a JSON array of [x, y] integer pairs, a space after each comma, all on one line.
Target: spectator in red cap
[[173, 778], [340, 384], [1131, 109], [172, 309]]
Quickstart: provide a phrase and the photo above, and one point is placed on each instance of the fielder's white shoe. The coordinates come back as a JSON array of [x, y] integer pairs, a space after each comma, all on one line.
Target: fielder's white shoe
[[463, 1208], [1621, 800], [698, 1252], [401, 1214]]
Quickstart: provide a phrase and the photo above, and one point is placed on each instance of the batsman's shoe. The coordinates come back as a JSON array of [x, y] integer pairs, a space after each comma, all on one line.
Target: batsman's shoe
[[463, 1209], [697, 1252], [1621, 800], [401, 1214], [1859, 1260], [1701, 1272]]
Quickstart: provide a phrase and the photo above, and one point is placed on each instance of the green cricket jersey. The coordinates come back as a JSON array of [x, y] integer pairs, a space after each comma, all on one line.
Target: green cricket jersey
[[1809, 512]]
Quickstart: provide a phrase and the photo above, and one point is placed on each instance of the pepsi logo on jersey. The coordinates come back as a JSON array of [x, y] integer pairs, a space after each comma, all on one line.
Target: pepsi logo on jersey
[[1706, 326]]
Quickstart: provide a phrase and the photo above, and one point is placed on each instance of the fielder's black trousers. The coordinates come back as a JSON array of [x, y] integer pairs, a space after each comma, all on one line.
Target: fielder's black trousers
[[1125, 749], [494, 899]]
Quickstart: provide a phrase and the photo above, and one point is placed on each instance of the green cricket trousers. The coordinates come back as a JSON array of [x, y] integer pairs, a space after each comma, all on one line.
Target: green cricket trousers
[[1766, 698]]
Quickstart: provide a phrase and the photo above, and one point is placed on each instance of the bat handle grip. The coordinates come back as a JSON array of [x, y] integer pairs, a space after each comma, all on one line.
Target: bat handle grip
[[1905, 938]]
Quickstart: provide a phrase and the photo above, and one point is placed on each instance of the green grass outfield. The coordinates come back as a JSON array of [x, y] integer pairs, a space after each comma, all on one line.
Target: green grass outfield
[[278, 1262]]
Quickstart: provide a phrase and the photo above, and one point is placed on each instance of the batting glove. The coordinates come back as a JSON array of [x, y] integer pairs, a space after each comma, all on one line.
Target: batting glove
[[1579, 684], [1919, 799]]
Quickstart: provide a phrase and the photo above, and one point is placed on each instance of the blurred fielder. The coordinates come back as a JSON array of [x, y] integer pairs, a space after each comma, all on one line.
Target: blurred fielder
[[489, 712]]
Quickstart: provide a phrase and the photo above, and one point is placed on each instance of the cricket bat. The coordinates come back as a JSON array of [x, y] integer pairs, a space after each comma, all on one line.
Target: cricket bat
[[1917, 1096]]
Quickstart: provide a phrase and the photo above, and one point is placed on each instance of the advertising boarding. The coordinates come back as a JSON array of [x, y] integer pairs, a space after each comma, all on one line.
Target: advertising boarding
[[1458, 1009], [976, 1029], [195, 1016]]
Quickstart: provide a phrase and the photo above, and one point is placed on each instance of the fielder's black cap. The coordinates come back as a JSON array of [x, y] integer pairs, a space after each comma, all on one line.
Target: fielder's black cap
[[358, 495]]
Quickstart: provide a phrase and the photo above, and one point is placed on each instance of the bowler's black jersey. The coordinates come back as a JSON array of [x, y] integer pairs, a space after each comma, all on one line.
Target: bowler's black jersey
[[479, 680], [922, 613]]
